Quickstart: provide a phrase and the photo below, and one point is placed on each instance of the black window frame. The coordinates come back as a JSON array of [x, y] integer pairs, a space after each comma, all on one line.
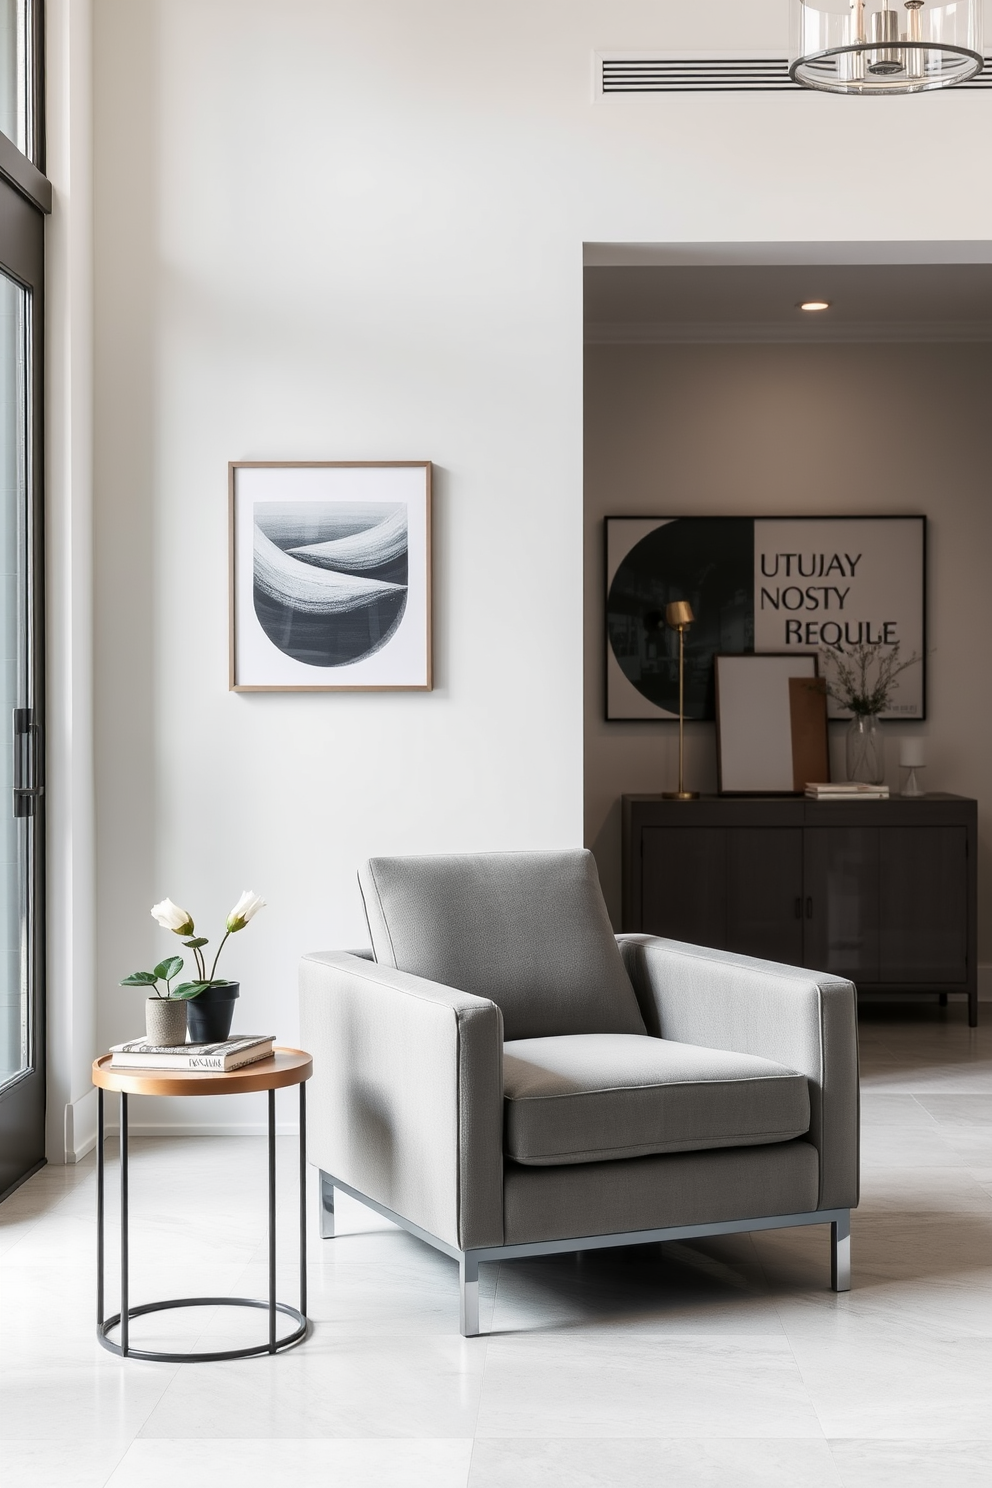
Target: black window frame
[[25, 200]]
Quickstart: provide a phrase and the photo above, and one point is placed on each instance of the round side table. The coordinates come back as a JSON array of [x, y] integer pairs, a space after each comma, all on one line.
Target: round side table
[[284, 1067]]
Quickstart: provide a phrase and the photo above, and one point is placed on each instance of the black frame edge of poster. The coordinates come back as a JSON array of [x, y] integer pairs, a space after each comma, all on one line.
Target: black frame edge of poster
[[921, 717]]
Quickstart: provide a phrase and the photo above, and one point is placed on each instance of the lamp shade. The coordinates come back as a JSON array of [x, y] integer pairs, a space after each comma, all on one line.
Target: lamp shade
[[679, 612], [884, 46], [912, 753]]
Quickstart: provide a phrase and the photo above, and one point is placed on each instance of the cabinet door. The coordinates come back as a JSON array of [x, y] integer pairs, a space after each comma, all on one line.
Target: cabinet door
[[923, 887], [684, 884], [765, 892], [840, 901]]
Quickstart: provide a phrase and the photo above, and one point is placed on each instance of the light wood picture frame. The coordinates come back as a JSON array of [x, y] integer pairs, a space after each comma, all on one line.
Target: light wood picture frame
[[330, 576]]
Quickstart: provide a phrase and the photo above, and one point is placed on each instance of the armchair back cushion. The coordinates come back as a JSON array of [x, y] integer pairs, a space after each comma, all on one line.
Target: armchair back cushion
[[528, 930]]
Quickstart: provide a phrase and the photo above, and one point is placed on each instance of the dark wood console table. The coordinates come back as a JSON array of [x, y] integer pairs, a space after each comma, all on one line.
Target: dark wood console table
[[882, 892]]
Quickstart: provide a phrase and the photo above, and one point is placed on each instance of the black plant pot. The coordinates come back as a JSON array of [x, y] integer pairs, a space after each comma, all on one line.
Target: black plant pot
[[210, 1015]]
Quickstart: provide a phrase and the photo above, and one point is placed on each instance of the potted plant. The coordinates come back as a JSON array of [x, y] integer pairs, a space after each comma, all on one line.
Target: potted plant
[[862, 680], [165, 1013], [208, 1003]]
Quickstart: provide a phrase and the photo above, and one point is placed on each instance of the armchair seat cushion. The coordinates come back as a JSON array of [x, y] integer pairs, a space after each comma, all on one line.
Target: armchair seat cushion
[[582, 1098]]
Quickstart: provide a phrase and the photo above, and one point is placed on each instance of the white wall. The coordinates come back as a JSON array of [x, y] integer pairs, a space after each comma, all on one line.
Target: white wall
[[335, 230], [71, 889]]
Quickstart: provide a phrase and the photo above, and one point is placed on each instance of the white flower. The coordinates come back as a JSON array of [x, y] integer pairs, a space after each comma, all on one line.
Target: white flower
[[171, 917], [248, 905]]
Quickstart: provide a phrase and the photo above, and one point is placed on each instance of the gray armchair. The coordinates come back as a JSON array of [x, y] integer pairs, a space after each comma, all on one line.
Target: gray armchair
[[507, 1078]]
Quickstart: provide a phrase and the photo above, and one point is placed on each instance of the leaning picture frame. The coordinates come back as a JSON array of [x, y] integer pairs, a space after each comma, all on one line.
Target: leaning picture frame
[[330, 576], [756, 743]]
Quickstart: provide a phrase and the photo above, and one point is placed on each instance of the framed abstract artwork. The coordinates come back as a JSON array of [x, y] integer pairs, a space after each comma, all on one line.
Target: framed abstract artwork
[[330, 575], [799, 585]]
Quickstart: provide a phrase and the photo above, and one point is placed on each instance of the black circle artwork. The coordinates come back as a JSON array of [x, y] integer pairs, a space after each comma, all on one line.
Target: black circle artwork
[[710, 564], [330, 578]]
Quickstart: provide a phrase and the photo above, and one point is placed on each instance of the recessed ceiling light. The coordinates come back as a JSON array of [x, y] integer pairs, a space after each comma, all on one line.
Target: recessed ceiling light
[[815, 305]]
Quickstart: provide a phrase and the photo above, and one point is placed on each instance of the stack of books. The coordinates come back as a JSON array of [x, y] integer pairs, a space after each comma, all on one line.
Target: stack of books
[[846, 790], [230, 1054]]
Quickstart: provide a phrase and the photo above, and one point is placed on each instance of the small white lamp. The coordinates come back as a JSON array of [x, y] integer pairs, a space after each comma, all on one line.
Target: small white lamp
[[912, 757]]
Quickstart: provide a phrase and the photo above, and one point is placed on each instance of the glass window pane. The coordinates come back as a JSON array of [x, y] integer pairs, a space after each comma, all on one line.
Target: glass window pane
[[15, 1051], [15, 72]]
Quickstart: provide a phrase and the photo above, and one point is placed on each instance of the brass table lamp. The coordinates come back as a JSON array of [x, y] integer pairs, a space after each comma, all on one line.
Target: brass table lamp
[[679, 616]]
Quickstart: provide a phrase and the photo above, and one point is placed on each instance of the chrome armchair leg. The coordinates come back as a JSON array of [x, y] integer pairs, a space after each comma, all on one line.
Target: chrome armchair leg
[[325, 1188], [840, 1253], [468, 1288]]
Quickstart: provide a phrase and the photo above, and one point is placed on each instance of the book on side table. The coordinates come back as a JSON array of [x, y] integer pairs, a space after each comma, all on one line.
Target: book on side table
[[228, 1054]]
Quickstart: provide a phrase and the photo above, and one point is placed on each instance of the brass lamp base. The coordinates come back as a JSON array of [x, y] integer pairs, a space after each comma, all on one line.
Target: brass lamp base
[[679, 616]]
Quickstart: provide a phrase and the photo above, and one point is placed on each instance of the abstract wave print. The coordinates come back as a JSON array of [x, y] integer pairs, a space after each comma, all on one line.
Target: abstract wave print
[[330, 577]]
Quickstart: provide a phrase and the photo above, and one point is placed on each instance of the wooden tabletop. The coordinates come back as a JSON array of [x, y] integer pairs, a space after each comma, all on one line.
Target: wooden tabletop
[[282, 1067]]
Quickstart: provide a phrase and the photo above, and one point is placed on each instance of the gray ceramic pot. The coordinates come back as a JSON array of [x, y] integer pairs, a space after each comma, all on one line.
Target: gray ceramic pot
[[165, 1021]]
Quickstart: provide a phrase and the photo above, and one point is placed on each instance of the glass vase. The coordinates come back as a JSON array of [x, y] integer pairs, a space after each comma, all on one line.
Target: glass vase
[[866, 749]]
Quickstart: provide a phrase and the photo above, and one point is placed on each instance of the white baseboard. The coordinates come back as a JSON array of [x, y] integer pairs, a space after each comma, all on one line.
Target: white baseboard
[[201, 1129], [80, 1127]]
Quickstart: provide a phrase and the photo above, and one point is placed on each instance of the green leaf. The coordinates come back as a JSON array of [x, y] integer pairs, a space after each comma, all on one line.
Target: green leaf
[[169, 968], [139, 979], [194, 945], [186, 990]]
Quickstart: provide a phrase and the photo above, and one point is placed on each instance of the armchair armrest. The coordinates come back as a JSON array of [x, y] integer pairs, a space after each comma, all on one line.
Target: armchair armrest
[[806, 1020], [407, 1093]]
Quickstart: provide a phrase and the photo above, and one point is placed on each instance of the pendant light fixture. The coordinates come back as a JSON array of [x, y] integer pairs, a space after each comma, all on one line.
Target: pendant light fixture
[[885, 46]]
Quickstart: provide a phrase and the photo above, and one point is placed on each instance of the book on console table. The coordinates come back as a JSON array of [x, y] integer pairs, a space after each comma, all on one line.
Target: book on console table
[[846, 790], [228, 1054]]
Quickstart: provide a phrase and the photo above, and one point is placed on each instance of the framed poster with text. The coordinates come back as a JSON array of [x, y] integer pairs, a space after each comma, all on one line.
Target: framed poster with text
[[784, 584]]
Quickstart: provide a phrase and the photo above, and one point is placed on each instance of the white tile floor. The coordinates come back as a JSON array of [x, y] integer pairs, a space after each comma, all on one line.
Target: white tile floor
[[727, 1362]]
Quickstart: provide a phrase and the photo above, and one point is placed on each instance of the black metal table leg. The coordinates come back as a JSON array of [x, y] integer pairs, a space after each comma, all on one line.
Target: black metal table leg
[[272, 1221], [99, 1209], [125, 1308], [122, 1319], [303, 1198]]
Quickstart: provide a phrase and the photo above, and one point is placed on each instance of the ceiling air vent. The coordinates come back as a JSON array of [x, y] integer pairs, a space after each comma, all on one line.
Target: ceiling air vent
[[676, 72]]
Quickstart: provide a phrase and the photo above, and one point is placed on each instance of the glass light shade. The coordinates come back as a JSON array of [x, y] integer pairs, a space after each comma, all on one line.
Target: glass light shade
[[884, 46]]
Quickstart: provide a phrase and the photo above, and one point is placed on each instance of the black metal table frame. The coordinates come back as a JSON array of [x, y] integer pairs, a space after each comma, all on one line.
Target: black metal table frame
[[275, 1345]]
